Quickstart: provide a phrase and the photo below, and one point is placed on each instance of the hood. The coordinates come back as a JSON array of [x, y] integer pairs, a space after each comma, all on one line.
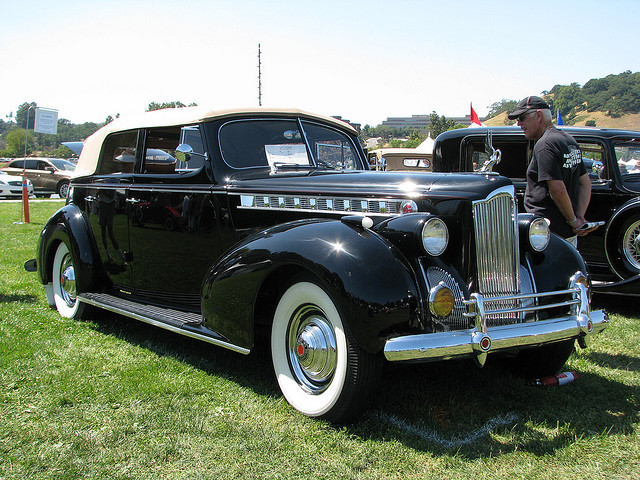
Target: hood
[[470, 186]]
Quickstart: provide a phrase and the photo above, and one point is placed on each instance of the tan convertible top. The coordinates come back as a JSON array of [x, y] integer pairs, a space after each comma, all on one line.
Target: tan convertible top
[[181, 116]]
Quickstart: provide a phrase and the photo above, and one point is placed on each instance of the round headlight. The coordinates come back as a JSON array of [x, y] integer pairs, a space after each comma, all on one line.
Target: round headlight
[[539, 234], [435, 236]]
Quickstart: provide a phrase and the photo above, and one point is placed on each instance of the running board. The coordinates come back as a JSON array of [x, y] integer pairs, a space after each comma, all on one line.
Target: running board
[[184, 323]]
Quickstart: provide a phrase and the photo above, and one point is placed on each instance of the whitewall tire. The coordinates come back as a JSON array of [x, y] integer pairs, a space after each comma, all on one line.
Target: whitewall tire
[[64, 284], [320, 370]]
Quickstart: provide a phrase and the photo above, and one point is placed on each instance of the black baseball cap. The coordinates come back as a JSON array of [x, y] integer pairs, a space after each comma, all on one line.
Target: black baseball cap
[[529, 103]]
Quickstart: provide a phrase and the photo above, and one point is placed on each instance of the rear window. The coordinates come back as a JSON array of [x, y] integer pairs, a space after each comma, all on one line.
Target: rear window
[[119, 153]]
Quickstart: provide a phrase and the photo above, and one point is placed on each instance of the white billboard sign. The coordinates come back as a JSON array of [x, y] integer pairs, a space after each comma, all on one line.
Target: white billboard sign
[[46, 121]]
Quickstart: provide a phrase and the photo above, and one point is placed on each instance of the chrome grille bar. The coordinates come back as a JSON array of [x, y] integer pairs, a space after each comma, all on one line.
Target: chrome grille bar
[[497, 251]]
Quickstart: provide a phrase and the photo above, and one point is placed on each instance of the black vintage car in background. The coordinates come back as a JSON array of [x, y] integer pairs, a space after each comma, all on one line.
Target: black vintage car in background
[[612, 158], [281, 235]]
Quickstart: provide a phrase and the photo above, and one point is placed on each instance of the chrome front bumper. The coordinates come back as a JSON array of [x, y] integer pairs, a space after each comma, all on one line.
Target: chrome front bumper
[[481, 340]]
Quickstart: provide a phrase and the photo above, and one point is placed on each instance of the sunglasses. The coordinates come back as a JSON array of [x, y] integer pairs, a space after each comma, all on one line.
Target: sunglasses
[[525, 115]]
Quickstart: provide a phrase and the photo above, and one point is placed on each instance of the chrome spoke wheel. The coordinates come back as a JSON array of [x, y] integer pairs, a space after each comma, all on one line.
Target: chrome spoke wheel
[[631, 244]]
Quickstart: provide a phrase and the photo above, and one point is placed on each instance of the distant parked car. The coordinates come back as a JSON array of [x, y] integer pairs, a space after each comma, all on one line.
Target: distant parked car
[[390, 159], [48, 175], [11, 185], [612, 159]]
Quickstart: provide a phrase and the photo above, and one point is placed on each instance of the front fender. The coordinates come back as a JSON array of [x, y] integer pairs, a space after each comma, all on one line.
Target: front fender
[[553, 267], [69, 225], [371, 282]]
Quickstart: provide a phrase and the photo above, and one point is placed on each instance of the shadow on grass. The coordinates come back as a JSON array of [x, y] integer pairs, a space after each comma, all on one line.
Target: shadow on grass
[[251, 371], [17, 298], [440, 407], [621, 305], [488, 412], [618, 361]]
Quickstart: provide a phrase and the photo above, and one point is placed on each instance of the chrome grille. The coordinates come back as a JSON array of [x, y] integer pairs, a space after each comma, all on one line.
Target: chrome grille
[[497, 252]]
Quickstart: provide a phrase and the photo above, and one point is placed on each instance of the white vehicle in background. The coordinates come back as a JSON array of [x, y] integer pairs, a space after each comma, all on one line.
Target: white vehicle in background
[[11, 185]]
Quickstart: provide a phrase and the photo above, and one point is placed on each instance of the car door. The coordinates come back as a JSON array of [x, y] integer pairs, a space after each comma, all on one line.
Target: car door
[[603, 193], [31, 172], [46, 177], [105, 204], [174, 232]]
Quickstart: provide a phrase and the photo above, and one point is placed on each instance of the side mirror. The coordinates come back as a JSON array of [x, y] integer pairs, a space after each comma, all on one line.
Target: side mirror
[[184, 152]]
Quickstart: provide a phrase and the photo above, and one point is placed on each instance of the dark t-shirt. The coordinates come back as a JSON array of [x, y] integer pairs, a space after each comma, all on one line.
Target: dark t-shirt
[[556, 156]]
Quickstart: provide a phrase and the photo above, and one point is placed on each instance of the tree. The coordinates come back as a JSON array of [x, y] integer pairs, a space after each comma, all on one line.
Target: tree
[[158, 106], [504, 105], [439, 124], [15, 143], [23, 111], [567, 98], [415, 139]]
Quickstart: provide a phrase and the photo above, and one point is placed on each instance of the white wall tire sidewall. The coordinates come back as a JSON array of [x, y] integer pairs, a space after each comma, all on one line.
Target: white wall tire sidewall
[[62, 307], [303, 401]]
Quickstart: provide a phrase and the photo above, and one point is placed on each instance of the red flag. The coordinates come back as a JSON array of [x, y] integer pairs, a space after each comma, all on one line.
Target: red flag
[[474, 116]]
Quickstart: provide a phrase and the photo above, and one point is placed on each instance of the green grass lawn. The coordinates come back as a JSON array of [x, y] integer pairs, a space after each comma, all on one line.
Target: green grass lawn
[[112, 398]]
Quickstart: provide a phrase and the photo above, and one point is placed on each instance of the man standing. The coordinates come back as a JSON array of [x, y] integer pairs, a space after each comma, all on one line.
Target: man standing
[[558, 186]]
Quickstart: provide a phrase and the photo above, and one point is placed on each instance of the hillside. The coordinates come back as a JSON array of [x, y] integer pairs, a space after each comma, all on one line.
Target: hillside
[[626, 122]]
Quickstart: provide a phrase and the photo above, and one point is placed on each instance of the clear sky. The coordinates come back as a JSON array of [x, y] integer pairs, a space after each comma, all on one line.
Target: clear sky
[[363, 60]]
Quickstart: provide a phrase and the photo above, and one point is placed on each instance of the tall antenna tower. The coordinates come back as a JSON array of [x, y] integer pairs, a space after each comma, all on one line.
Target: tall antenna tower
[[259, 78]]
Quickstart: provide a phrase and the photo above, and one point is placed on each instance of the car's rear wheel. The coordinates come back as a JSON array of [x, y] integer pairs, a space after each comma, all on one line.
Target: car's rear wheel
[[630, 244], [320, 369], [64, 284]]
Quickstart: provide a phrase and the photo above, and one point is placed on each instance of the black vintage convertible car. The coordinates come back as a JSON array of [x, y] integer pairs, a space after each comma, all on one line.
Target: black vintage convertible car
[[612, 158], [281, 235]]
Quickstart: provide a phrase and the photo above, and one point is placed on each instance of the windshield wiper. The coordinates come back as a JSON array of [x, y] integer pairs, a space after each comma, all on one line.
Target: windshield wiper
[[276, 166]]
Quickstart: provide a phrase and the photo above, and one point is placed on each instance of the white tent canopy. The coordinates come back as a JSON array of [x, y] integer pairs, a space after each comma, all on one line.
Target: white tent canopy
[[427, 145]]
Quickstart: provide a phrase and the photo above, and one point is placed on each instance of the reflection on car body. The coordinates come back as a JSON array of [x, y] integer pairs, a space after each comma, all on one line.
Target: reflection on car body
[[270, 229], [611, 157]]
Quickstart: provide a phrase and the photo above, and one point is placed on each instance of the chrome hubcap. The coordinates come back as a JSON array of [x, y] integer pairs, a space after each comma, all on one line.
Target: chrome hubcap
[[68, 281], [312, 348]]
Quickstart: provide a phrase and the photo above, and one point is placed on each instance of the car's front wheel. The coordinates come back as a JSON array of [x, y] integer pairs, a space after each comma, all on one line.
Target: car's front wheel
[[63, 189], [320, 369], [64, 284], [544, 360]]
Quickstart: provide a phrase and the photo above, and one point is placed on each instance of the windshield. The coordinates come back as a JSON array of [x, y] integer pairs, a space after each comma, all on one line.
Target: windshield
[[280, 144], [628, 157], [63, 164]]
